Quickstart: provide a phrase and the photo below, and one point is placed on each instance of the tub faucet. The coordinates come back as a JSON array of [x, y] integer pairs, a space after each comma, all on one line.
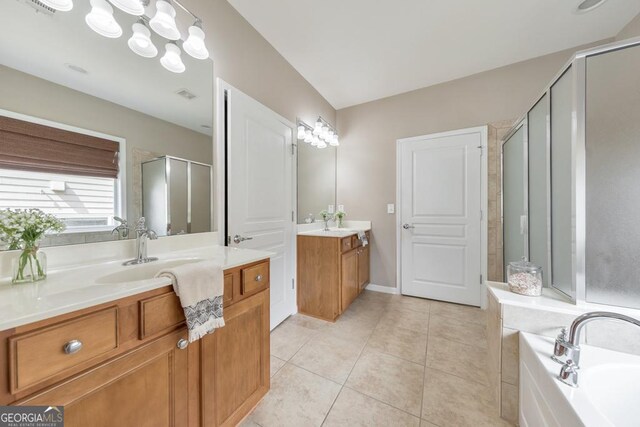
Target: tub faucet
[[143, 235], [567, 347]]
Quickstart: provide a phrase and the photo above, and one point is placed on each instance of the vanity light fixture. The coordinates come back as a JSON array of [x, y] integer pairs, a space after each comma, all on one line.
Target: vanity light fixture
[[194, 45], [321, 135], [308, 136], [301, 132], [101, 19], [132, 7], [317, 130], [171, 59], [164, 21], [140, 42], [61, 5]]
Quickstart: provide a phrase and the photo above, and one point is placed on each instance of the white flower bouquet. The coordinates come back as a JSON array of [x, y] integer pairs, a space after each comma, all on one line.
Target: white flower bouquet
[[23, 229]]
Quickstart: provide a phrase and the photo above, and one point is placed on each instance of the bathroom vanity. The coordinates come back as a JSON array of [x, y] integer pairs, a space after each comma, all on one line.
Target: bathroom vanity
[[127, 361], [333, 268]]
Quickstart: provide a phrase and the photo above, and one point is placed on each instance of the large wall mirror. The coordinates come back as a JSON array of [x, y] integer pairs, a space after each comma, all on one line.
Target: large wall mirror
[[316, 181], [62, 83]]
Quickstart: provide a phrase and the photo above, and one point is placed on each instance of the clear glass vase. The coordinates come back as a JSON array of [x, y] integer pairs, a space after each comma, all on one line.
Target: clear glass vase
[[30, 265]]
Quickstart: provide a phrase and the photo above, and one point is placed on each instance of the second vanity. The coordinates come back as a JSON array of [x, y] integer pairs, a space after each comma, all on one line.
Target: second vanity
[[110, 344], [333, 269]]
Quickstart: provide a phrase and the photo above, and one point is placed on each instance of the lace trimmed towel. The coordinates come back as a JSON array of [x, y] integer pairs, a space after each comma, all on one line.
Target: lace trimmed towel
[[200, 287], [363, 238]]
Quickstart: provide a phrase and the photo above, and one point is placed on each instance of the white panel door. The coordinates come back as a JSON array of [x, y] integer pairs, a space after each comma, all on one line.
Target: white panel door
[[440, 234], [260, 192]]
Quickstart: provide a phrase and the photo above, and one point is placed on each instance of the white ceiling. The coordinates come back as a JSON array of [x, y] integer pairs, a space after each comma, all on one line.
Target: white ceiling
[[354, 51], [41, 45]]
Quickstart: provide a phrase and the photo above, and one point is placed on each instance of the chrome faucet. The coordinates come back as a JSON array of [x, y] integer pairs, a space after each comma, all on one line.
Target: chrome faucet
[[567, 347], [122, 229], [143, 234]]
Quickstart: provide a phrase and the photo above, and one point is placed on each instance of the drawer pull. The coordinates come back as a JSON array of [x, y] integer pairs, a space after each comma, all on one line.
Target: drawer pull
[[72, 346], [182, 344], [259, 278]]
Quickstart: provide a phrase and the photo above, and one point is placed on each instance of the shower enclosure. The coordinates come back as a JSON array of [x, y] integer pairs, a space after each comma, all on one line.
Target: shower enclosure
[[571, 179]]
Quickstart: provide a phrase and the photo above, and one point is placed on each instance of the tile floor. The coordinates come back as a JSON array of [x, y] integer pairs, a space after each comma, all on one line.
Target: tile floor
[[388, 361]]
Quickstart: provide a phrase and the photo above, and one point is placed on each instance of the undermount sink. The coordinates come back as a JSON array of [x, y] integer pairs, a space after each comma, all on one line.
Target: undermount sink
[[143, 271]]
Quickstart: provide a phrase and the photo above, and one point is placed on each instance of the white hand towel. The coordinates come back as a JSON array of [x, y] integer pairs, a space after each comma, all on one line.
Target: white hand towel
[[200, 287]]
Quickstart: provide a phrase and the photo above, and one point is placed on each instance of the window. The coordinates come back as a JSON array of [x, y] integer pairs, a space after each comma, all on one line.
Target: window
[[84, 203]]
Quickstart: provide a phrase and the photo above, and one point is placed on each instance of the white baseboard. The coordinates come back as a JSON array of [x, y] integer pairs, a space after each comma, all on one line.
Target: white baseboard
[[383, 289]]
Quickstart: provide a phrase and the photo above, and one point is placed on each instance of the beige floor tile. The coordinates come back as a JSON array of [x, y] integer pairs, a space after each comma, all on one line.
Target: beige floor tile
[[452, 401], [400, 342], [458, 330], [408, 319], [391, 380], [375, 296], [355, 409], [297, 398], [425, 423], [307, 321], [248, 423], [352, 329], [276, 364], [463, 360], [410, 303], [288, 338], [329, 356], [461, 312]]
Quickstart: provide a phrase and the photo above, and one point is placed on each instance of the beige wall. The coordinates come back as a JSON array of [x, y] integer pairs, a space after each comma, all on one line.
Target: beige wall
[[367, 156], [632, 29], [26, 94], [245, 60]]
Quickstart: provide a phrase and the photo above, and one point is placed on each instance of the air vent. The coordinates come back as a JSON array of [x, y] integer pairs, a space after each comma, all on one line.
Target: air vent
[[186, 94], [40, 7]]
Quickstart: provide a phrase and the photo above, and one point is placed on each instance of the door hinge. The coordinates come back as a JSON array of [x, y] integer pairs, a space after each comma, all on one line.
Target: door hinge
[[480, 147], [481, 279], [293, 216], [481, 215], [228, 240], [293, 283], [293, 149]]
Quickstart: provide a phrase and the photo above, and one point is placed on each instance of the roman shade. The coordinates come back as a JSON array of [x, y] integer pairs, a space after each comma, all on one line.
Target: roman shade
[[34, 147]]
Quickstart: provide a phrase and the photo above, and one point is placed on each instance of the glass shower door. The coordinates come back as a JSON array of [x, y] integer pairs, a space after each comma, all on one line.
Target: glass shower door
[[514, 197]]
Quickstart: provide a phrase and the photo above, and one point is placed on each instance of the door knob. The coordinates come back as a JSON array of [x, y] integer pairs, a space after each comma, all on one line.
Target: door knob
[[407, 226], [238, 238]]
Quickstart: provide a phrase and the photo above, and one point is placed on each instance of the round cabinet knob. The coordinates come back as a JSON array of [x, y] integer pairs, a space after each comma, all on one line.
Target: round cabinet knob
[[259, 278], [72, 346], [182, 344]]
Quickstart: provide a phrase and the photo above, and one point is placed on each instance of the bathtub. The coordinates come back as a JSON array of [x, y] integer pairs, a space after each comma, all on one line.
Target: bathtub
[[608, 392]]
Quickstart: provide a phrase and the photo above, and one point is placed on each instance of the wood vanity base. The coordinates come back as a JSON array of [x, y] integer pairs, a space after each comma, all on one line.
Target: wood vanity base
[[332, 271], [130, 370]]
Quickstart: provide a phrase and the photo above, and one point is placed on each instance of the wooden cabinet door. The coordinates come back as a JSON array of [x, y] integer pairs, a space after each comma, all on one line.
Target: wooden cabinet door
[[235, 362], [146, 387], [363, 268], [349, 278]]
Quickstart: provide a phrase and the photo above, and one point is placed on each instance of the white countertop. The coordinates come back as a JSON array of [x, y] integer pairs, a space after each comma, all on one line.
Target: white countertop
[[552, 300], [333, 232], [73, 288]]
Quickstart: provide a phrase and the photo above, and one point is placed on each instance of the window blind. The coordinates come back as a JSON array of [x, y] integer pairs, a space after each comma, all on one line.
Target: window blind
[[39, 148]]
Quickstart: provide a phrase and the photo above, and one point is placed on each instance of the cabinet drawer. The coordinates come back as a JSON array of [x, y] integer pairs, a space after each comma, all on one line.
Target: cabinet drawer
[[160, 313], [38, 355], [346, 244], [255, 278]]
